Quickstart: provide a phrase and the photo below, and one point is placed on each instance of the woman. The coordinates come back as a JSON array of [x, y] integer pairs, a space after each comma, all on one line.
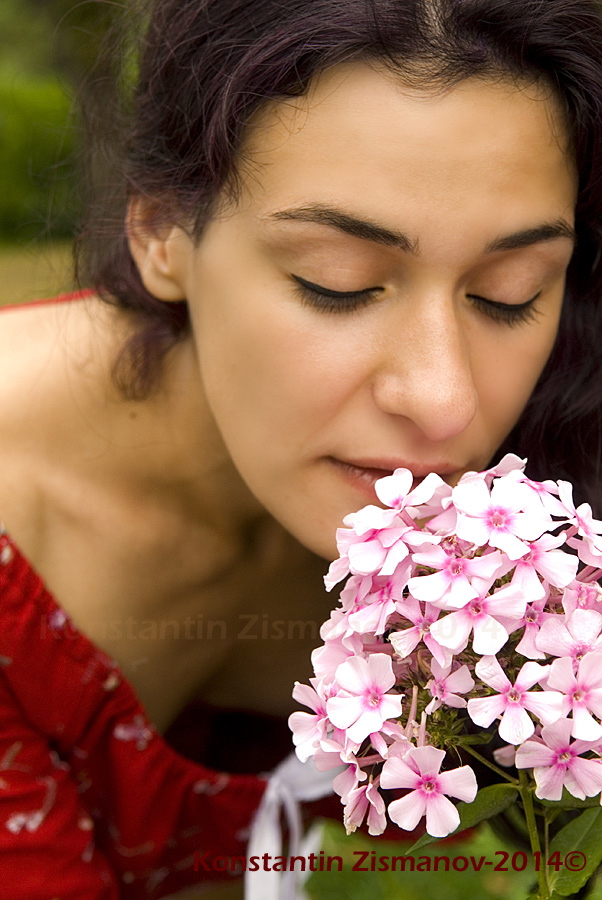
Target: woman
[[357, 236]]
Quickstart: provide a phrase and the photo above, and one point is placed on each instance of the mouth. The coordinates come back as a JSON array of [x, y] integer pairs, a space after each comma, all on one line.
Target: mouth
[[363, 474]]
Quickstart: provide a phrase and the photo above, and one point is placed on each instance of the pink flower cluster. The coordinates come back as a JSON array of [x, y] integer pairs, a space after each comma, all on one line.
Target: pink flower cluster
[[462, 599]]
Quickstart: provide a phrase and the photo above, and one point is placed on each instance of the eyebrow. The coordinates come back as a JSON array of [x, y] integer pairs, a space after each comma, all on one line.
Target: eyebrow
[[378, 234]]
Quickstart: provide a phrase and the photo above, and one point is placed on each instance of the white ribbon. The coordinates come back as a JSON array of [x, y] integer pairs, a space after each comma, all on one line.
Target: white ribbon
[[289, 784]]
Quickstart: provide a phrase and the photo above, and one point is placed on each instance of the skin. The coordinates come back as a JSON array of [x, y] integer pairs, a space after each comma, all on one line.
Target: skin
[[422, 375], [220, 494]]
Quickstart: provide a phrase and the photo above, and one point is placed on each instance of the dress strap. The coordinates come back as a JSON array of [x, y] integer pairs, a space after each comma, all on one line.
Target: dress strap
[[291, 783]]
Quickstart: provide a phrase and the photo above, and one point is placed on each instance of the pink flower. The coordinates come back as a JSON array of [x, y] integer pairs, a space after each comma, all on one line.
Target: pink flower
[[363, 704], [419, 771], [308, 730], [396, 491], [483, 617], [531, 623], [406, 640], [583, 692], [590, 529], [371, 613], [510, 463], [328, 658], [557, 567], [572, 636], [513, 700], [451, 586], [547, 491], [446, 686], [556, 763], [364, 799], [506, 518], [580, 595]]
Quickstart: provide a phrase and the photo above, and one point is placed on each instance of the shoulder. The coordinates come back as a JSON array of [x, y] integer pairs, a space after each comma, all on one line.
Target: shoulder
[[47, 351]]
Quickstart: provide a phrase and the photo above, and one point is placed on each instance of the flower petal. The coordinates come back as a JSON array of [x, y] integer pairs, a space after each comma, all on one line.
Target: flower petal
[[460, 783], [442, 817], [408, 811], [483, 710]]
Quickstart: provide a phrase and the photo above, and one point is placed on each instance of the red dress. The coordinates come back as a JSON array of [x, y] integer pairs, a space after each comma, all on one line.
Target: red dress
[[94, 804]]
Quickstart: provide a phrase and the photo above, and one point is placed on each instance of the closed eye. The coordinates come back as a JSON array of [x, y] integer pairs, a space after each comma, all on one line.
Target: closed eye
[[327, 300], [506, 313]]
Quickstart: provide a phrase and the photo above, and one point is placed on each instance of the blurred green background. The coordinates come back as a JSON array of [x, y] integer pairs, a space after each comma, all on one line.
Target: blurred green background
[[47, 48]]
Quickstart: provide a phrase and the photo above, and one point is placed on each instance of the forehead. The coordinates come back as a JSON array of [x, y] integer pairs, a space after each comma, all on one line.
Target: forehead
[[361, 136]]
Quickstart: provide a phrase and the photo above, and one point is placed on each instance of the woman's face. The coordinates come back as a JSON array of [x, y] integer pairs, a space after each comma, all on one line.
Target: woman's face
[[386, 292]]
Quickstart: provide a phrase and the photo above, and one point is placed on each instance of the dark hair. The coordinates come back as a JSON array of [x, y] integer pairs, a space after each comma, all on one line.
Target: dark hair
[[205, 66]]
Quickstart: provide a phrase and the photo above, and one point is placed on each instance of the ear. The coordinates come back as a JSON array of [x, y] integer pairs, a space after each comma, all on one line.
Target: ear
[[157, 250]]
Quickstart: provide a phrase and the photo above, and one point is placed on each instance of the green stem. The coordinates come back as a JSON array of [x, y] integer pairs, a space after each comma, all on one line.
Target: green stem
[[489, 764], [527, 798]]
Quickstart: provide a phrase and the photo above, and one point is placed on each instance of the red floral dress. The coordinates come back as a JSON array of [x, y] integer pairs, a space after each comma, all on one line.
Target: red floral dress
[[94, 804]]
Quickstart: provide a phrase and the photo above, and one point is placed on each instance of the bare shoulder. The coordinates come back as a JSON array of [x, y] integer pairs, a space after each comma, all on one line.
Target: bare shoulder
[[29, 337], [42, 347]]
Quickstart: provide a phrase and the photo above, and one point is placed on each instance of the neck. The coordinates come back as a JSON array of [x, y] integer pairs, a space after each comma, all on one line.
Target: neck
[[166, 447]]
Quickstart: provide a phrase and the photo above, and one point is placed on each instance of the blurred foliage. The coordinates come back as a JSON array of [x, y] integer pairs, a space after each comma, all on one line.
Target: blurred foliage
[[47, 47], [495, 881], [37, 171]]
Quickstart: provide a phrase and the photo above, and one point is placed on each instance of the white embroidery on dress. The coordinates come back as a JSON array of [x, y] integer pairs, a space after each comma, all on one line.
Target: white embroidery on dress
[[138, 731], [111, 682], [128, 852], [6, 554], [57, 620], [85, 823], [156, 877], [211, 787], [31, 821], [11, 754], [59, 763]]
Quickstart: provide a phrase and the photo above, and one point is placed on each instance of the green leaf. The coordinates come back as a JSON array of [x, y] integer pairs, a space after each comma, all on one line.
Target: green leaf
[[567, 801], [488, 802], [580, 846], [483, 738]]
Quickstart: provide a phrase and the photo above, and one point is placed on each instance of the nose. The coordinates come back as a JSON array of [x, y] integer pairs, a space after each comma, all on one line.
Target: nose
[[424, 372]]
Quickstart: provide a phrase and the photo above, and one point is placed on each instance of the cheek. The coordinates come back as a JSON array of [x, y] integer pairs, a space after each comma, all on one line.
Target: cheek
[[269, 373], [507, 378]]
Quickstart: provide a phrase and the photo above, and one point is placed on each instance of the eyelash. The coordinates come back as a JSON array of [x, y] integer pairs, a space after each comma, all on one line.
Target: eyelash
[[507, 314], [332, 301], [342, 302]]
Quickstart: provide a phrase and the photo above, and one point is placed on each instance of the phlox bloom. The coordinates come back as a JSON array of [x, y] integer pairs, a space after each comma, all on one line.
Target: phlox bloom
[[556, 763], [510, 464], [439, 584], [582, 595], [582, 693], [513, 700], [505, 518], [419, 771], [451, 586], [447, 685], [544, 557], [364, 799], [406, 640], [371, 613], [572, 636], [308, 729], [363, 704], [531, 623], [590, 529], [481, 616]]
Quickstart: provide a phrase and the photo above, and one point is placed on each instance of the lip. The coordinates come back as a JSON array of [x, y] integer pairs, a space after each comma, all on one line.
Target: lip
[[364, 473]]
